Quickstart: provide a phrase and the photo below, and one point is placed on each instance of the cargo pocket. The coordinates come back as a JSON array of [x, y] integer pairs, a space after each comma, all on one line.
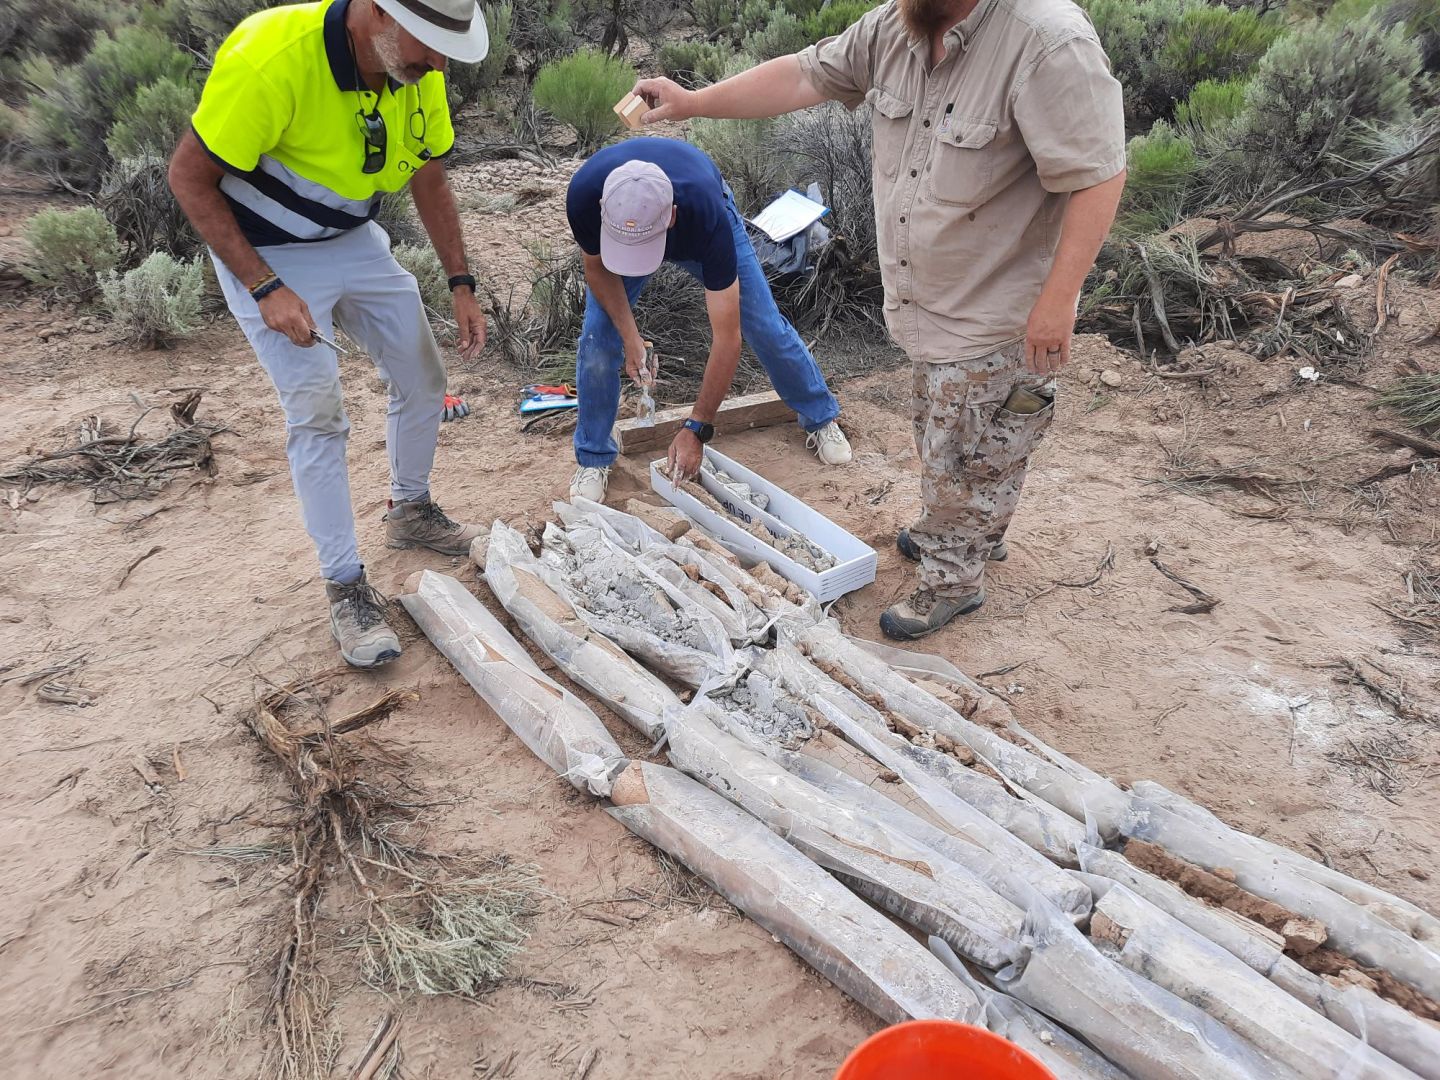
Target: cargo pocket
[[1007, 438], [963, 164], [889, 123]]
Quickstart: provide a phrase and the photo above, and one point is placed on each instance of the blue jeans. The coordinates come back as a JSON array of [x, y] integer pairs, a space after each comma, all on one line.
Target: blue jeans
[[600, 358]]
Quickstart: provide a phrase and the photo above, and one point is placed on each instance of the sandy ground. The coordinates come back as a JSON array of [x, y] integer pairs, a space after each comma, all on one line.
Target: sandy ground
[[124, 953]]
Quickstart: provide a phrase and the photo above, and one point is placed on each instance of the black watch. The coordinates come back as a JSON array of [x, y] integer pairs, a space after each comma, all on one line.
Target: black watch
[[701, 430], [462, 279]]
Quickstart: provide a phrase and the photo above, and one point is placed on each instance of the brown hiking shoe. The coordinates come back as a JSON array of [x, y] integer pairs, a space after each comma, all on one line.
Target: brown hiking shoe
[[924, 613], [420, 523], [357, 621]]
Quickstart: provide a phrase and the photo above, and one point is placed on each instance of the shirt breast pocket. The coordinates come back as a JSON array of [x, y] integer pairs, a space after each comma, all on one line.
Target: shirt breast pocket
[[963, 164], [889, 124]]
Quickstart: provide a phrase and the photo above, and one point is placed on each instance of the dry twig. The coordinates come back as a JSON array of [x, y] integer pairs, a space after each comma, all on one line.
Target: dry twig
[[1204, 602]]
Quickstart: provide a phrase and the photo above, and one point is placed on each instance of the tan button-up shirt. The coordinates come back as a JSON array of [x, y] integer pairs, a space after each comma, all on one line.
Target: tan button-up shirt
[[975, 159]]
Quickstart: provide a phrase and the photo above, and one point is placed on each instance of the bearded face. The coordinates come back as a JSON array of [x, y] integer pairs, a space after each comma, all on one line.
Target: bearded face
[[925, 17], [406, 60]]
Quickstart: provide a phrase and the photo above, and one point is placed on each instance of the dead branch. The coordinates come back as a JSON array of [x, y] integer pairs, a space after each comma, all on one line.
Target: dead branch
[[126, 575], [1204, 602], [1106, 564], [1401, 438]]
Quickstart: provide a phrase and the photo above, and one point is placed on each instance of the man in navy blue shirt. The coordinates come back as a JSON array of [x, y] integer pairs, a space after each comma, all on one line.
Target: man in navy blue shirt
[[633, 206]]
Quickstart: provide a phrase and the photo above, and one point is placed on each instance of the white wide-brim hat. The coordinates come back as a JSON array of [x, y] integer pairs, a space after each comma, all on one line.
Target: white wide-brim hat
[[454, 28]]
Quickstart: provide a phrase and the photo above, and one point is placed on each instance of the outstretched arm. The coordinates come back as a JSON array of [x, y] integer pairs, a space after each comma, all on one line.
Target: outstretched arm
[[770, 89]]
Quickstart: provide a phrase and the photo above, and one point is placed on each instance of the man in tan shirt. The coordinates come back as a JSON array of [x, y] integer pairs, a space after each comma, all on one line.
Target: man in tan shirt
[[999, 158]]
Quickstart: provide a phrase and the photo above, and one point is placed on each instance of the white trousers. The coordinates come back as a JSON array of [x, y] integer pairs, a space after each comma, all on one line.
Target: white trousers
[[354, 281]]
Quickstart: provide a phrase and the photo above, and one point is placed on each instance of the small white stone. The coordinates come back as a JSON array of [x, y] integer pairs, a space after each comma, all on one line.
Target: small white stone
[[1349, 281], [1112, 379]]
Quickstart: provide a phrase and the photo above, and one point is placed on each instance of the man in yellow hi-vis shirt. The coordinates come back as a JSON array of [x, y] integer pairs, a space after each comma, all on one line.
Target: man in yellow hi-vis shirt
[[311, 114]]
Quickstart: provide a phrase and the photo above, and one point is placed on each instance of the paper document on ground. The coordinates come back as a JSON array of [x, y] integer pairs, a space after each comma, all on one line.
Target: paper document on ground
[[789, 215]]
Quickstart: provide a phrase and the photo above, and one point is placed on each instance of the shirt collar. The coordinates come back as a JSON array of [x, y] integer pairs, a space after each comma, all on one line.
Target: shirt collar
[[962, 33], [337, 50]]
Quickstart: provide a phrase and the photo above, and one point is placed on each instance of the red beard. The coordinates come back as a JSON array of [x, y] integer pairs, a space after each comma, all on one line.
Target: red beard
[[924, 17]]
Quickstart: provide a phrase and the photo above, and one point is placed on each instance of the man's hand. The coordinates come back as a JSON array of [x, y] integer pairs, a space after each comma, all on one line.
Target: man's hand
[[286, 313], [686, 453], [668, 100], [1048, 334], [635, 360], [470, 323]]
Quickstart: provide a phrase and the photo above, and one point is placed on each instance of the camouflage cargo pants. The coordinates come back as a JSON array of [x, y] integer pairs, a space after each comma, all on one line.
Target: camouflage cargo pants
[[973, 452]]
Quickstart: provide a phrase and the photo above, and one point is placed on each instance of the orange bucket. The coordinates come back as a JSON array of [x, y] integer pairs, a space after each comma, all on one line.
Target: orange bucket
[[939, 1050]]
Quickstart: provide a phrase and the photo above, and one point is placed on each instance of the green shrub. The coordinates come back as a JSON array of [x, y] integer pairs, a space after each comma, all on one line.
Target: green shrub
[[782, 35], [1216, 43], [68, 248], [1160, 166], [581, 90], [716, 17], [61, 29], [36, 73], [803, 9], [694, 63], [11, 123], [542, 30], [157, 302], [466, 82], [743, 151], [152, 123], [1160, 49], [835, 18], [69, 122], [755, 15], [1315, 89], [1211, 105]]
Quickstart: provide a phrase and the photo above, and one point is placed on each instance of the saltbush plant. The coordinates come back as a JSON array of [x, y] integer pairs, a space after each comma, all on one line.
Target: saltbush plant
[[781, 35], [581, 90], [716, 17], [68, 124], [156, 303], [1316, 89], [153, 122], [68, 248], [1161, 49], [694, 63]]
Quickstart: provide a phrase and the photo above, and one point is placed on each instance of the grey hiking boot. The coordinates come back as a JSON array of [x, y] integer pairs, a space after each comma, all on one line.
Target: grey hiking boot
[[357, 621], [998, 553], [420, 523], [924, 613]]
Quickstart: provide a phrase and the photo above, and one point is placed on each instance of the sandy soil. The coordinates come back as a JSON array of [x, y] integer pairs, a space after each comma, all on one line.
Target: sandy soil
[[124, 953]]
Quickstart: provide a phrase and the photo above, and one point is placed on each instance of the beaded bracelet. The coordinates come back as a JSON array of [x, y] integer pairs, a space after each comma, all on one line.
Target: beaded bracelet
[[265, 288]]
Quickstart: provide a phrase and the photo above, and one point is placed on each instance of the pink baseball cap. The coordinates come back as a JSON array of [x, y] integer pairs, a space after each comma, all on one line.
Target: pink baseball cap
[[635, 208]]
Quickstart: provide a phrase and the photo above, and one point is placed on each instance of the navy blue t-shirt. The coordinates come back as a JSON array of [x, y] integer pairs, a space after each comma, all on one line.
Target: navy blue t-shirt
[[702, 231]]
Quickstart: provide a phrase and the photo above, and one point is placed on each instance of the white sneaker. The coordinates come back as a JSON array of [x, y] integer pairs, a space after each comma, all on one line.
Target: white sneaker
[[590, 483], [830, 444]]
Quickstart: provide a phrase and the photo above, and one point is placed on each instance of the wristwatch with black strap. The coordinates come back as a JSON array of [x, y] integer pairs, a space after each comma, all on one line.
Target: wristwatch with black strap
[[462, 279], [700, 429]]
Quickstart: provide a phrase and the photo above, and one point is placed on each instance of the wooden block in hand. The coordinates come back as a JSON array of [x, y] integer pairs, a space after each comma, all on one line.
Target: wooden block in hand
[[631, 110]]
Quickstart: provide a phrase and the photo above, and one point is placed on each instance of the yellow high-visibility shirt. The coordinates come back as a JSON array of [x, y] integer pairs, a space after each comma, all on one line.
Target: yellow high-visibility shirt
[[284, 112]]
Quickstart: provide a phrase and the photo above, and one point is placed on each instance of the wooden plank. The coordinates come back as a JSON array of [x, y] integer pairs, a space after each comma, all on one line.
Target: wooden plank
[[737, 414]]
